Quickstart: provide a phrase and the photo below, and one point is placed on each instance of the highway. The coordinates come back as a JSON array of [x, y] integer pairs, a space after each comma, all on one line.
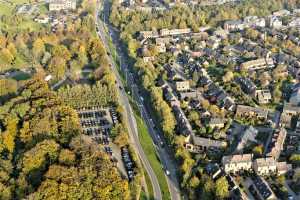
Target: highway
[[123, 99], [162, 150]]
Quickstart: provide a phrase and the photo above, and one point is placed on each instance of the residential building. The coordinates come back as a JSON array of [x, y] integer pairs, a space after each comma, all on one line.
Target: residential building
[[57, 5], [257, 64], [246, 85], [166, 32], [162, 40], [161, 48], [281, 13], [237, 163], [276, 145], [275, 22], [247, 136], [265, 166], [295, 22], [234, 25], [289, 111], [217, 123], [197, 144], [283, 168], [263, 96], [182, 85], [148, 58], [251, 112], [254, 21], [148, 34], [295, 96], [297, 129]]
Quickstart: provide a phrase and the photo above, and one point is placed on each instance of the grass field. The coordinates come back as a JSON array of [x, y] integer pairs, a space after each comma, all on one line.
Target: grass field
[[10, 9]]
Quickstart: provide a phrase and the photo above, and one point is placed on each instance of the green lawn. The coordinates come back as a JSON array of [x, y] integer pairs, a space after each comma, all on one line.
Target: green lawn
[[149, 149], [9, 9], [149, 187]]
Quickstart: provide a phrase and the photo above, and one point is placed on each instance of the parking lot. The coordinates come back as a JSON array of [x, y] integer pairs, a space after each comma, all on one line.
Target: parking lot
[[97, 122]]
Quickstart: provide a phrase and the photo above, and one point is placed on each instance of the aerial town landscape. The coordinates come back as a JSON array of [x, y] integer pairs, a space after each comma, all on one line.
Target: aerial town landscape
[[150, 99]]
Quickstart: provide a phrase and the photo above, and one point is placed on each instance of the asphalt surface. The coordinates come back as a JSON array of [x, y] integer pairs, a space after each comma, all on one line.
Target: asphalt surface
[[167, 162], [132, 127]]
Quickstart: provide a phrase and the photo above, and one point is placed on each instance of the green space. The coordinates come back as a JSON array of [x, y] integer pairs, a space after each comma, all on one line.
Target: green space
[[149, 149], [149, 187], [9, 9]]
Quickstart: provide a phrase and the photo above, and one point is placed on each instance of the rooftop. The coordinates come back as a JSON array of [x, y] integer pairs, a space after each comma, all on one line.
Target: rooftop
[[237, 158]]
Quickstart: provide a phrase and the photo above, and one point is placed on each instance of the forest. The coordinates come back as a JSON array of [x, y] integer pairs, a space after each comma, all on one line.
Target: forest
[[45, 156]]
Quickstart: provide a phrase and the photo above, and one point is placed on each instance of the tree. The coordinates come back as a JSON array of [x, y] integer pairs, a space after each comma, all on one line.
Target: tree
[[67, 157], [6, 56], [194, 182], [228, 76], [295, 158], [208, 189], [258, 150], [8, 86], [222, 191], [38, 47], [57, 67]]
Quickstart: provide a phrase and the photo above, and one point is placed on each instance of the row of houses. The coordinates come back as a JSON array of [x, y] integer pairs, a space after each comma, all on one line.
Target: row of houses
[[57, 5], [164, 32], [261, 166]]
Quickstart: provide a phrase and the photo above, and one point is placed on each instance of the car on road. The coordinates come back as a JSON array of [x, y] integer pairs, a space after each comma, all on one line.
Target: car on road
[[167, 172]]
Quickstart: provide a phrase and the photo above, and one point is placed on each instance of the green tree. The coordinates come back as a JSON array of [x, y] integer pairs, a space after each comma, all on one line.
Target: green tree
[[222, 191]]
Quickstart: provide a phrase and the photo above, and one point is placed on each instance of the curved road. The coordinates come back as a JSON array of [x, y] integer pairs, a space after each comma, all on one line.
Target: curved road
[[133, 132]]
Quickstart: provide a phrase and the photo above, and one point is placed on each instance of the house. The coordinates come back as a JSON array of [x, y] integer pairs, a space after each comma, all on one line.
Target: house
[[162, 40], [295, 22], [257, 64], [251, 112], [297, 129], [263, 96], [254, 21], [182, 85], [263, 189], [148, 34], [217, 123], [246, 85], [281, 13], [289, 111], [274, 22], [295, 96], [166, 32], [237, 163], [265, 166], [276, 145], [161, 48], [234, 25], [148, 58], [283, 168], [57, 5], [247, 136], [221, 33], [192, 94], [198, 144], [183, 123]]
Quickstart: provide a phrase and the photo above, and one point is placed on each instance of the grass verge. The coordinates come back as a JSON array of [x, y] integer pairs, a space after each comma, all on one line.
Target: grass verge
[[149, 149], [149, 186]]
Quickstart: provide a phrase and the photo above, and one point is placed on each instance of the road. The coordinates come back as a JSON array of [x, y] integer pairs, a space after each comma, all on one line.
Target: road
[[132, 127], [163, 152]]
